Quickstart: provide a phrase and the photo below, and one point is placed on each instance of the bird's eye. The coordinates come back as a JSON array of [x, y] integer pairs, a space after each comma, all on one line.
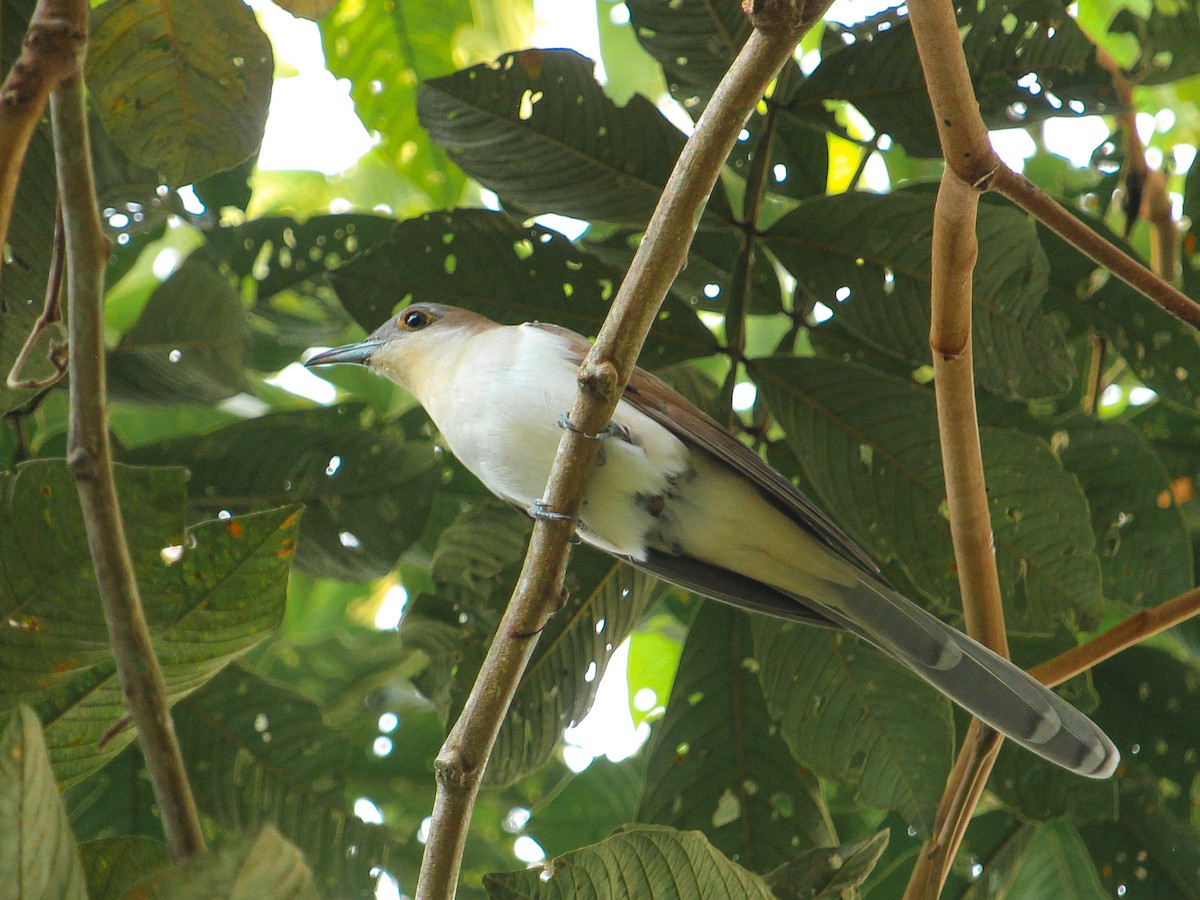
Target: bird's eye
[[415, 319]]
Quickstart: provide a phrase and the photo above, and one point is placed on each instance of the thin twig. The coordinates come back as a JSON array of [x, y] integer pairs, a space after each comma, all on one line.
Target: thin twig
[[51, 314], [89, 456], [779, 24]]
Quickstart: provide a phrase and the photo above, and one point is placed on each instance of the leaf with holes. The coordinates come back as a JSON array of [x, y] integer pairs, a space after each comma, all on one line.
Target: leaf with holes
[[846, 711], [646, 861], [866, 257], [189, 344], [367, 495], [182, 85], [512, 273], [716, 763], [38, 856], [537, 129], [210, 594], [258, 753], [868, 444], [1168, 38], [1028, 60]]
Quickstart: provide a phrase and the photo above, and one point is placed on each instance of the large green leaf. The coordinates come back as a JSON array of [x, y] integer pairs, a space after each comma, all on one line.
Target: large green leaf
[[189, 344], [828, 872], [1160, 349], [261, 865], [1028, 60], [847, 712], [592, 805], [182, 85], [648, 861], [716, 763], [537, 129], [1169, 40], [386, 51], [114, 866], [258, 753], [512, 273], [38, 856], [1145, 549], [868, 444], [209, 595], [867, 257], [367, 494]]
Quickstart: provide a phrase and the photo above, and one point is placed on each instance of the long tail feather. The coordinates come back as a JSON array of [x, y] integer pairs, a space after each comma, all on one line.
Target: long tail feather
[[982, 682]]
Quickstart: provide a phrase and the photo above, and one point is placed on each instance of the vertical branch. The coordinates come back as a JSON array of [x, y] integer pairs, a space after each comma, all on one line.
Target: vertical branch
[[779, 24], [89, 457]]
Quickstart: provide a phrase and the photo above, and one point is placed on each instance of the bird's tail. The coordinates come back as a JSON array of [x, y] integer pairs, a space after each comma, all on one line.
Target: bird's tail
[[982, 682]]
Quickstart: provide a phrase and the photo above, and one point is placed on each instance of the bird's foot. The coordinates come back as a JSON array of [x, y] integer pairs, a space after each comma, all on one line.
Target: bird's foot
[[539, 510], [611, 430]]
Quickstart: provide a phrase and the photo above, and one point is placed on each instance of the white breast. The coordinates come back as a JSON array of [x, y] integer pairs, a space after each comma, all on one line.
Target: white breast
[[501, 420]]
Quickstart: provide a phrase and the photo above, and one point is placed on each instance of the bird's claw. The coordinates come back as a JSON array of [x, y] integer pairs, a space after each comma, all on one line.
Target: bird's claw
[[564, 422], [539, 510]]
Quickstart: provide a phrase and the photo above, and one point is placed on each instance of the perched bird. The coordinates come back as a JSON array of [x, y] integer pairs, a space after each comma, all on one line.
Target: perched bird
[[682, 498]]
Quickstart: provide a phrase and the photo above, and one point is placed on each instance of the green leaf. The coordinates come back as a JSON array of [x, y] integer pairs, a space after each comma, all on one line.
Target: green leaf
[[114, 866], [648, 861], [38, 856], [868, 444], [255, 866], [1005, 42], [1161, 350], [716, 763], [1056, 864], [846, 711], [1145, 549], [116, 801], [536, 128], [183, 85], [828, 871], [189, 345], [867, 257], [485, 262], [370, 45], [258, 753], [1169, 41], [593, 804], [694, 41], [366, 494], [217, 592]]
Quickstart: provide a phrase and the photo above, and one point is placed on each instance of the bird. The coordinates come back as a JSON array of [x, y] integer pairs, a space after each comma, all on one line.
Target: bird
[[675, 494]]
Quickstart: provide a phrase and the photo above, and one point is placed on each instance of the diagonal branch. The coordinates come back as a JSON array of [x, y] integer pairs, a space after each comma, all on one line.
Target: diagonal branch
[[89, 456], [779, 24]]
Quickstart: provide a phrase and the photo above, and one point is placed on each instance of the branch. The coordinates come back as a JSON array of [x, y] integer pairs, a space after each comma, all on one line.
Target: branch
[[89, 457], [779, 24]]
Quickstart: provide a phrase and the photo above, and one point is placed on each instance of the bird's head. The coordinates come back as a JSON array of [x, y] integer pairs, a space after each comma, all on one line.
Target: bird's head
[[409, 346]]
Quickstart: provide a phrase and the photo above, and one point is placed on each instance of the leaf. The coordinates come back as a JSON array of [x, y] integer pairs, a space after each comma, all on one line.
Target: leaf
[[867, 257], [218, 592], [38, 856], [847, 712], [537, 129], [868, 444], [828, 871], [115, 802], [511, 273], [593, 804], [648, 861], [182, 85], [189, 344], [114, 866], [1169, 41], [279, 252], [716, 764], [1145, 550], [366, 494], [694, 41], [1161, 350], [258, 754], [258, 866], [386, 52], [1028, 60], [1056, 864]]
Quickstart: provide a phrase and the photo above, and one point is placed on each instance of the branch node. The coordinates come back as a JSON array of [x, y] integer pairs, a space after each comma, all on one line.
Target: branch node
[[599, 379]]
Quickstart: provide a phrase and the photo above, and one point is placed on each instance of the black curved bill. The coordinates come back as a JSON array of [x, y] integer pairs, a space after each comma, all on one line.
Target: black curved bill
[[359, 354]]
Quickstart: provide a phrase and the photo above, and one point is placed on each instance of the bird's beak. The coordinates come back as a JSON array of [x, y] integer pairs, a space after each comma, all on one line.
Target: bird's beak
[[359, 353]]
